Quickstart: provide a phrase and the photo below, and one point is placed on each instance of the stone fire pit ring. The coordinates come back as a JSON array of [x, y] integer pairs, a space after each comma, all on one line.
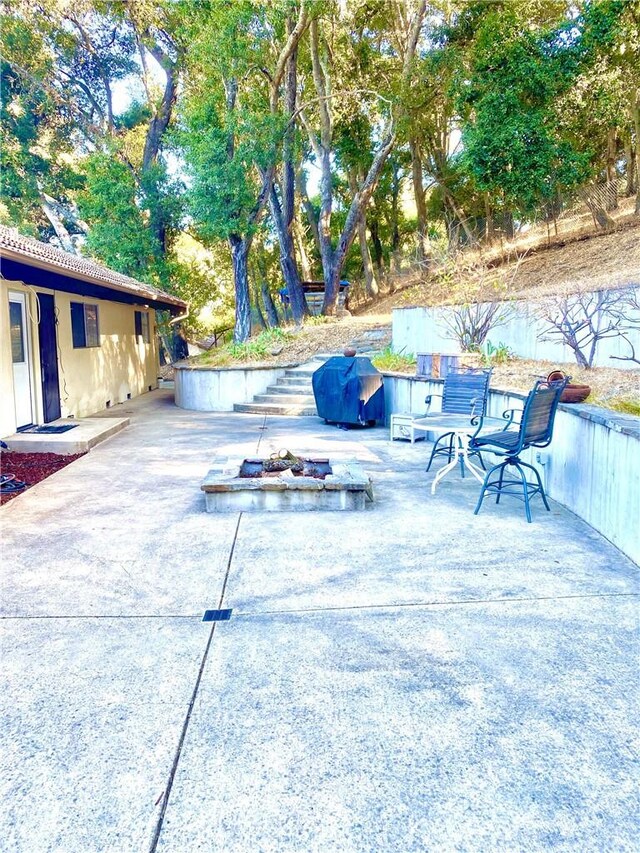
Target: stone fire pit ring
[[347, 487]]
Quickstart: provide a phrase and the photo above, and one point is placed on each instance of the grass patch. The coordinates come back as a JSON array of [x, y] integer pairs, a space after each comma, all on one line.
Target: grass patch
[[394, 362], [618, 404], [255, 349]]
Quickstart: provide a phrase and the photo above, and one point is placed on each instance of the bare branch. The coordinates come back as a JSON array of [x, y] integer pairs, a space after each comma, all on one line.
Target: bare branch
[[582, 320]]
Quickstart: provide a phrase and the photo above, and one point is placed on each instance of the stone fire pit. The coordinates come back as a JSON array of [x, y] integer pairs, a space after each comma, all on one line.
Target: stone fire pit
[[240, 485]]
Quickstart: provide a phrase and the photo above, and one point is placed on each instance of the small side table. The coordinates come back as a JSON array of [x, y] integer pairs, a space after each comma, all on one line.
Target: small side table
[[401, 426], [462, 428]]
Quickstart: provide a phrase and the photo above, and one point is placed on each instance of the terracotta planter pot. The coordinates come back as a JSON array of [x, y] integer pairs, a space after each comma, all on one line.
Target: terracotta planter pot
[[573, 393]]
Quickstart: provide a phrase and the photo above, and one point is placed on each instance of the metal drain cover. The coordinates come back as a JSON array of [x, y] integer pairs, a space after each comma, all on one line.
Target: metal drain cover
[[217, 615]]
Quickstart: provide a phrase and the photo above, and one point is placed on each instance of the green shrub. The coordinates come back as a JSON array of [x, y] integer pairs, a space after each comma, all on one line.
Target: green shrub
[[398, 362], [492, 355], [618, 404], [254, 349]]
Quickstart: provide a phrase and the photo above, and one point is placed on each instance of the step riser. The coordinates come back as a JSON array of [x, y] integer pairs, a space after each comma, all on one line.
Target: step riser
[[297, 374], [294, 380], [285, 399], [284, 411], [306, 390]]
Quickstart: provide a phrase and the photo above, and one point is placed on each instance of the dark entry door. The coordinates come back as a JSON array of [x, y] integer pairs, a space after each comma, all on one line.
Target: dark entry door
[[49, 357]]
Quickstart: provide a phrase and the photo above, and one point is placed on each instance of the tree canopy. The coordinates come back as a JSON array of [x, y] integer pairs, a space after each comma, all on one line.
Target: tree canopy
[[297, 139]]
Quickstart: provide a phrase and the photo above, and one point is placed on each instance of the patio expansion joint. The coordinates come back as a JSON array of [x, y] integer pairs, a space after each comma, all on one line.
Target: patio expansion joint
[[197, 617], [239, 614], [164, 797]]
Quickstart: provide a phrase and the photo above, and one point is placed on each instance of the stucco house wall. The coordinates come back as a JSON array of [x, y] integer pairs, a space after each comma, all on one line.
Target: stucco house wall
[[122, 365], [89, 378]]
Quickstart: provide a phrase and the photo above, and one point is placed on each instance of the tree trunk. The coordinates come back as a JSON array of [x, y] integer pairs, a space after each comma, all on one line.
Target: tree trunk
[[58, 225], [395, 228], [269, 307], [270, 312], [239, 252], [305, 265], [333, 261], [156, 130], [631, 166], [370, 283], [378, 254], [283, 215], [488, 220], [258, 310], [308, 209], [287, 260], [635, 111], [372, 287], [424, 249], [612, 151], [460, 217]]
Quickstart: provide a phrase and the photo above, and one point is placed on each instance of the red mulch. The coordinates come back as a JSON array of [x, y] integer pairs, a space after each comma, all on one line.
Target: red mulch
[[31, 468]]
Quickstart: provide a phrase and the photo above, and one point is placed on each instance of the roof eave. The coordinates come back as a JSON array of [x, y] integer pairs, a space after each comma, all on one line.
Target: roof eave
[[150, 296]]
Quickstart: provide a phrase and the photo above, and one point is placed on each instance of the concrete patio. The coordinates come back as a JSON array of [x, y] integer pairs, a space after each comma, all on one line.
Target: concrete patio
[[406, 678]]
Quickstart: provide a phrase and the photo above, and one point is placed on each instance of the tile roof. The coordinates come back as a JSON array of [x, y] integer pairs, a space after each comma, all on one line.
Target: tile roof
[[15, 246]]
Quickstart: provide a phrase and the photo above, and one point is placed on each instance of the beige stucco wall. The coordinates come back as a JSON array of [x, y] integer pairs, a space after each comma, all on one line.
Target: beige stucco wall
[[89, 377]]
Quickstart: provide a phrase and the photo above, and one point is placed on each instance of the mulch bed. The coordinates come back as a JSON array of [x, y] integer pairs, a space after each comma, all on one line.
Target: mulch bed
[[31, 468]]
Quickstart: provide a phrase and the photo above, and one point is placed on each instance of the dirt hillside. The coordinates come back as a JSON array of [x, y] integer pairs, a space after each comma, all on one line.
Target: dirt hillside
[[600, 261]]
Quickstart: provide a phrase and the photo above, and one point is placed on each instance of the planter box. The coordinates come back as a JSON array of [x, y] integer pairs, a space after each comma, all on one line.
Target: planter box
[[436, 364]]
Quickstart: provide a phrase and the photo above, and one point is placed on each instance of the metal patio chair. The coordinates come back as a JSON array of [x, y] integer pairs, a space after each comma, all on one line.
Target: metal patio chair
[[465, 392], [535, 429]]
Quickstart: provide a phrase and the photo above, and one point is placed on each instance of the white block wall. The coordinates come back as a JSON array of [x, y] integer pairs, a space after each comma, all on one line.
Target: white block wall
[[425, 330], [209, 389]]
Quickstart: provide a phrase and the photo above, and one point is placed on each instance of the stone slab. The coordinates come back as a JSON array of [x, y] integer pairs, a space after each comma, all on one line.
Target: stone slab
[[86, 433]]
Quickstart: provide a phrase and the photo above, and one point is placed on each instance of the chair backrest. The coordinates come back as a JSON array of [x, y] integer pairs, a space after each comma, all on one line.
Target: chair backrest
[[536, 426], [462, 387]]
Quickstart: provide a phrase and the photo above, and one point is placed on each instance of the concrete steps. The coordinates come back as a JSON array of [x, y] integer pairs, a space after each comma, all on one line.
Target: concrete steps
[[293, 392], [291, 395]]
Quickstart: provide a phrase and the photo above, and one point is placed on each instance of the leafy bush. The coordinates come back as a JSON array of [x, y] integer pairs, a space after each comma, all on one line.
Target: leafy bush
[[399, 362], [255, 349], [492, 355], [260, 346], [618, 404]]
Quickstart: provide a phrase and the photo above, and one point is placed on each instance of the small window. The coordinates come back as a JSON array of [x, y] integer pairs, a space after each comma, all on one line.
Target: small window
[[142, 326], [84, 325], [17, 333]]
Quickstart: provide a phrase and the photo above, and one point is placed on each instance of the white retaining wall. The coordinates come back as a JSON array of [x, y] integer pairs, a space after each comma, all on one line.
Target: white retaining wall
[[209, 389], [425, 330], [592, 465]]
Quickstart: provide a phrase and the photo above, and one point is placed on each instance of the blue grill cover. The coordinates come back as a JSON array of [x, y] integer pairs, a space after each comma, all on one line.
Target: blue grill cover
[[349, 391]]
